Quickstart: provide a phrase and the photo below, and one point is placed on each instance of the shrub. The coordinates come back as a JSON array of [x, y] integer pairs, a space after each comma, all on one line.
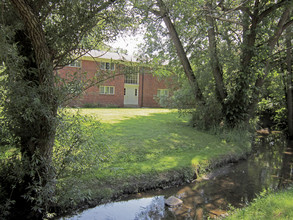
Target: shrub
[[79, 147], [203, 116], [91, 105]]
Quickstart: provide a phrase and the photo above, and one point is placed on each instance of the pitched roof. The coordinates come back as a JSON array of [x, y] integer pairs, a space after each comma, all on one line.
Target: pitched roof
[[110, 55]]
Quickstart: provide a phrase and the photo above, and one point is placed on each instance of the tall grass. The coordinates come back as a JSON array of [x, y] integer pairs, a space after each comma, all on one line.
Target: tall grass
[[277, 205]]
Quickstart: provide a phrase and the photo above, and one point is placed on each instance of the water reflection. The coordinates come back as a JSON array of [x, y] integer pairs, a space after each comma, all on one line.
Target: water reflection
[[270, 166], [145, 208], [286, 172], [155, 210]]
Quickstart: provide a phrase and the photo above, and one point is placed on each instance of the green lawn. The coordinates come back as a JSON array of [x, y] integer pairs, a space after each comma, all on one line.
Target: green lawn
[[146, 140], [273, 206], [146, 148], [150, 146]]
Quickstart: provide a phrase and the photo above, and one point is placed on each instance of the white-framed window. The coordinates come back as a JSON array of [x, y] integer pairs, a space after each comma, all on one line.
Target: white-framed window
[[107, 66], [131, 78], [107, 90], [162, 92], [75, 63]]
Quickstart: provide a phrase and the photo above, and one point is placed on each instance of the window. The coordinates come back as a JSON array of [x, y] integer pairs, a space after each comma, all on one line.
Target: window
[[131, 78], [163, 92], [107, 90], [135, 92], [75, 63], [107, 66]]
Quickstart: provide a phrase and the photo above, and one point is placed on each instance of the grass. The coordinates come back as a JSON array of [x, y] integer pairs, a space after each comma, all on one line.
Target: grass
[[146, 140], [149, 147], [277, 205]]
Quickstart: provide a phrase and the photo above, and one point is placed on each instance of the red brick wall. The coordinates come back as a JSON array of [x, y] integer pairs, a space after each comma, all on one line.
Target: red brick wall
[[148, 86]]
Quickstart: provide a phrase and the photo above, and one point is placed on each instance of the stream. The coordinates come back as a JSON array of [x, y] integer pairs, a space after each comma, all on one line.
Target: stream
[[269, 167]]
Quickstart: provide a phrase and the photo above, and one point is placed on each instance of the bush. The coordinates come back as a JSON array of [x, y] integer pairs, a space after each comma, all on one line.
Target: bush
[[272, 114], [79, 147], [9, 176], [203, 116], [91, 105]]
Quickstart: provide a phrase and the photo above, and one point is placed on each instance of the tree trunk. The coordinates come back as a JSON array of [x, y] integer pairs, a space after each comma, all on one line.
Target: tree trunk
[[180, 51], [37, 141], [289, 81], [214, 60], [237, 106]]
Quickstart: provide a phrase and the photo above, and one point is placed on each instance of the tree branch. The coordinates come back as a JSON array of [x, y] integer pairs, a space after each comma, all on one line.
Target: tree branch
[[280, 28], [90, 83], [224, 19], [272, 42], [266, 12], [157, 13]]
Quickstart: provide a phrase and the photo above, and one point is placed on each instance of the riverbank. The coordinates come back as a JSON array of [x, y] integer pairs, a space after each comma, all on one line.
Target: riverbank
[[149, 149], [266, 169], [277, 205]]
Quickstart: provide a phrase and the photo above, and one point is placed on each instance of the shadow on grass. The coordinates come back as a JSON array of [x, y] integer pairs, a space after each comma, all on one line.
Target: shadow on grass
[[160, 142], [149, 151]]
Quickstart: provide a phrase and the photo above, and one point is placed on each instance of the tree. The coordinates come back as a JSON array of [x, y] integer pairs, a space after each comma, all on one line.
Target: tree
[[37, 38], [289, 64], [242, 37], [214, 59], [255, 19], [163, 13]]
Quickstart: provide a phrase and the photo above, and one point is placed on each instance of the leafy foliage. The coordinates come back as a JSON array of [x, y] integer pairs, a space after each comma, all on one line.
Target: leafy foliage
[[79, 146], [37, 38], [241, 49]]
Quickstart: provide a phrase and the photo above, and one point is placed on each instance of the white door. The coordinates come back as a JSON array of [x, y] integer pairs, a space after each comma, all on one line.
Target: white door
[[130, 95]]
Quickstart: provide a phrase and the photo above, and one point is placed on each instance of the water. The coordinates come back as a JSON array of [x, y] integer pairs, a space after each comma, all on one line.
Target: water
[[269, 167], [152, 207]]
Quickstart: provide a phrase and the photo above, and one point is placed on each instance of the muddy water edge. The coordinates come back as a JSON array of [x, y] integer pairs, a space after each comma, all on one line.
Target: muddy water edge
[[270, 167]]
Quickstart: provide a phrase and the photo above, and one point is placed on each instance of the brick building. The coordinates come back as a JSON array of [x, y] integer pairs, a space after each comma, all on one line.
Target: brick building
[[123, 83]]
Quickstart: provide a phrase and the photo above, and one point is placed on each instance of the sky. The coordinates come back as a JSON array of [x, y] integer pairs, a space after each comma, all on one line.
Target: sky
[[128, 42]]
